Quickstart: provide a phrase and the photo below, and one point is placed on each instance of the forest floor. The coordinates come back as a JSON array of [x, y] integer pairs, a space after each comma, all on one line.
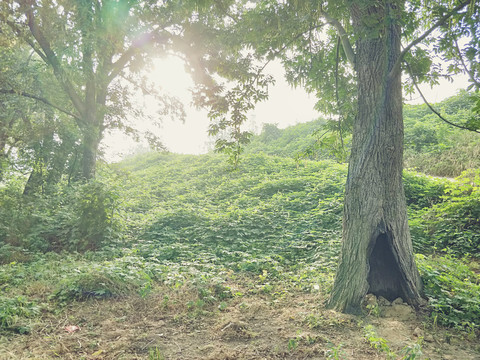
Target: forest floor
[[173, 323]]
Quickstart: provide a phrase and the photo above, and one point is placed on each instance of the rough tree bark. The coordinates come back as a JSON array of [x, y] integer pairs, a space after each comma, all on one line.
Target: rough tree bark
[[377, 255]]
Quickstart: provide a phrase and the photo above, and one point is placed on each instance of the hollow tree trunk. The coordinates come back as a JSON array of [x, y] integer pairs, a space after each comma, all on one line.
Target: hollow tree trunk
[[377, 254]]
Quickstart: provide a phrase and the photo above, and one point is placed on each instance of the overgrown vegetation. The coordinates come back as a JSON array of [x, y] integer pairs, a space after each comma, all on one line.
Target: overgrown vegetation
[[432, 146], [436, 148], [198, 235]]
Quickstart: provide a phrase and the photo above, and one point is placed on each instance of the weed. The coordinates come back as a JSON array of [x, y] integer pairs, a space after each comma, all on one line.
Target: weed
[[335, 352], [13, 310], [373, 309], [155, 354], [315, 321], [412, 352], [292, 344], [378, 343]]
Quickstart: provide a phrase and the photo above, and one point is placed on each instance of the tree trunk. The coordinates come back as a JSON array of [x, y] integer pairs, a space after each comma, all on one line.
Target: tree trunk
[[3, 157], [91, 141], [35, 180], [92, 135], [377, 254]]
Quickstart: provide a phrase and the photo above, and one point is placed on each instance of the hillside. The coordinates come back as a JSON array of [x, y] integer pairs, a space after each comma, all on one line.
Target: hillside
[[202, 262], [431, 146]]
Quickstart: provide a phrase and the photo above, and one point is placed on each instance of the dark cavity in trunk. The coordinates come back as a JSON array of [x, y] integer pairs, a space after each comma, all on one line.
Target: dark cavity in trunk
[[384, 278]]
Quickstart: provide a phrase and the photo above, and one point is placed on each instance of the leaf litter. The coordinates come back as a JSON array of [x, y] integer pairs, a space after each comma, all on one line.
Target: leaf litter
[[294, 325]]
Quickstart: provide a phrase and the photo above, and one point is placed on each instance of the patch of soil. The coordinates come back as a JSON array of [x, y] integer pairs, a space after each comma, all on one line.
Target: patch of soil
[[164, 326]]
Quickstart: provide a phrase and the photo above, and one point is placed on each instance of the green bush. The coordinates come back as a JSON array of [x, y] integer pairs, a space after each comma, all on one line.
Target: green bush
[[75, 217], [115, 278], [14, 310], [422, 191], [453, 290]]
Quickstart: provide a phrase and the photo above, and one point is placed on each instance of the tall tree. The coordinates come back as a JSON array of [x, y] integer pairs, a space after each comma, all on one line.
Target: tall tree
[[33, 135], [89, 46], [350, 53]]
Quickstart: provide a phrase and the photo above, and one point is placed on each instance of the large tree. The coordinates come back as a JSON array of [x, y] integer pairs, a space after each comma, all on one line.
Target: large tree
[[95, 51], [35, 138], [351, 53]]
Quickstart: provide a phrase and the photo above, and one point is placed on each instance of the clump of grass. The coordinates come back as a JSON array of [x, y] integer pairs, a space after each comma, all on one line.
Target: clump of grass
[[377, 342]]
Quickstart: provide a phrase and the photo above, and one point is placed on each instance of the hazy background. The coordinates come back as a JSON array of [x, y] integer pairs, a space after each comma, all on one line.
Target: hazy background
[[286, 106]]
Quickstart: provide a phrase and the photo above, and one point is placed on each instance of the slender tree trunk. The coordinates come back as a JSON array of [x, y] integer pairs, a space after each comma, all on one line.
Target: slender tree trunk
[[94, 102], [3, 157], [35, 180], [377, 254], [91, 142]]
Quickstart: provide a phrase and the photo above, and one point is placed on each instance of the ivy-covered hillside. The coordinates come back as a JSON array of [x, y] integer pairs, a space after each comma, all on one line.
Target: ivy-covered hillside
[[432, 146], [162, 242]]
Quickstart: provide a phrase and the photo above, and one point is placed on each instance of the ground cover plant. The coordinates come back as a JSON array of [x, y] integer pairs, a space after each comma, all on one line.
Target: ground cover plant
[[216, 263], [432, 146]]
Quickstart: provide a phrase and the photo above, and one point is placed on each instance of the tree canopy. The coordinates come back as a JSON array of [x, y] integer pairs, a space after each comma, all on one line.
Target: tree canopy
[[89, 57]]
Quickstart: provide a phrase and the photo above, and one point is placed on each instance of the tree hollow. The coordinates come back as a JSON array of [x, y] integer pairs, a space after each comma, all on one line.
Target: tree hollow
[[384, 277]]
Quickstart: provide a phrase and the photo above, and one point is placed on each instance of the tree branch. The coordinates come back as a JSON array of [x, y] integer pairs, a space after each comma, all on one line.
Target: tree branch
[[342, 34], [431, 107], [465, 67], [440, 22], [142, 41], [51, 58], [41, 99]]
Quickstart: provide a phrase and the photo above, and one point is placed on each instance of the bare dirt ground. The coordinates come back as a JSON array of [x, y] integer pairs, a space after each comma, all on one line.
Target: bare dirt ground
[[172, 324]]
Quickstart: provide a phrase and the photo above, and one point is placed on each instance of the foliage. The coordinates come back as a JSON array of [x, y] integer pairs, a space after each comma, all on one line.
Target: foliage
[[453, 290], [431, 146], [272, 204], [297, 141], [108, 279], [13, 310], [83, 50], [435, 147], [33, 137], [452, 224], [74, 216], [422, 191], [335, 352], [278, 204], [378, 342]]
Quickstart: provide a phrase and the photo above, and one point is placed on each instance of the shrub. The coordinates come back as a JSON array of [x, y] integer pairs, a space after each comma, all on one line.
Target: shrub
[[14, 310], [108, 279], [453, 290], [76, 217]]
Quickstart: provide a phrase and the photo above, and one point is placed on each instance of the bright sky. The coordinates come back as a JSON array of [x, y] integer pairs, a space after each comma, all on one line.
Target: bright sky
[[286, 106]]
